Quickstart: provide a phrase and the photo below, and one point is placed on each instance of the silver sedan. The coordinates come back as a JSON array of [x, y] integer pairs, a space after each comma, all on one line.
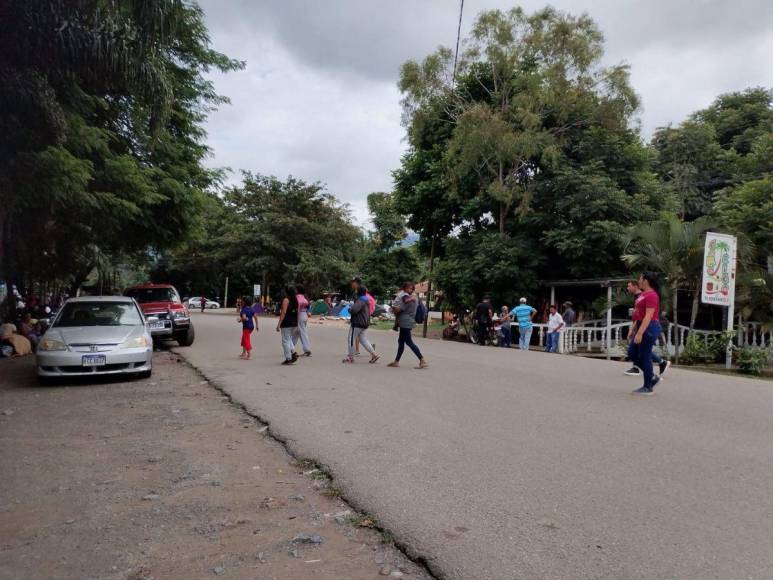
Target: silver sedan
[[96, 335]]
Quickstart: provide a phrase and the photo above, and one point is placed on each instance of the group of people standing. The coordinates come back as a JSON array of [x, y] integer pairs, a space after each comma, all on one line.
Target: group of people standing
[[294, 315], [523, 315]]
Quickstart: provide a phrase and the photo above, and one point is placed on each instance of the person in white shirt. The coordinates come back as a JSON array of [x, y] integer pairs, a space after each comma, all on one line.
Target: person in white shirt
[[555, 326]]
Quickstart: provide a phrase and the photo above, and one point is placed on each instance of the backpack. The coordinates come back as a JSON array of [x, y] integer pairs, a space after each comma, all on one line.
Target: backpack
[[421, 313]]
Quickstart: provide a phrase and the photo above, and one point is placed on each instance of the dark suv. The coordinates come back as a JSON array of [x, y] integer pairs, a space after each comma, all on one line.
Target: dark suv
[[167, 316]]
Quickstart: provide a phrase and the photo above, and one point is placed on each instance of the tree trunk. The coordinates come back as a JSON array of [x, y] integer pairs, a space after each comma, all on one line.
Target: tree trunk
[[429, 283], [675, 322], [695, 303]]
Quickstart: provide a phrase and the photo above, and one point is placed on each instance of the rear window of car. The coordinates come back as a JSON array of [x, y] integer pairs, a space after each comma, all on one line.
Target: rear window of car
[[143, 295], [98, 314]]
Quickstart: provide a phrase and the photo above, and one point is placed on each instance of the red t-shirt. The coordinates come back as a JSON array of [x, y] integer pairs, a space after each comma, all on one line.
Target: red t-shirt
[[648, 299]]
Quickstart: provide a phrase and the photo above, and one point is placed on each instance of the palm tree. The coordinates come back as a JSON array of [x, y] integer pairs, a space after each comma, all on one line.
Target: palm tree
[[673, 248]]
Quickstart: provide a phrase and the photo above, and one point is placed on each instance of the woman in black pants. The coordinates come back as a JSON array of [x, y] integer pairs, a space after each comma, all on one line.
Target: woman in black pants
[[404, 307]]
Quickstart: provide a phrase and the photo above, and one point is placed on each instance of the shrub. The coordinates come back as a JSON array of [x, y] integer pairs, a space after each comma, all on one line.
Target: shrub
[[752, 359], [695, 351]]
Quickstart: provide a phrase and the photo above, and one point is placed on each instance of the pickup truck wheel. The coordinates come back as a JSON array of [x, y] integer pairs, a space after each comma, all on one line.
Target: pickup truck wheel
[[185, 338]]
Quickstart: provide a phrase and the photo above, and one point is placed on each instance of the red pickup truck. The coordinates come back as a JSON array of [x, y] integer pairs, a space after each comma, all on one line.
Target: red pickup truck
[[165, 313]]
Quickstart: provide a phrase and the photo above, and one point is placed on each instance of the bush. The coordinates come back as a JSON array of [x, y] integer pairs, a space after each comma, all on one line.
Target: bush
[[695, 351], [752, 359]]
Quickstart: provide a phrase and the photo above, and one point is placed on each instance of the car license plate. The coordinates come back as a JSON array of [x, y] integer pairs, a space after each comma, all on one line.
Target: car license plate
[[94, 360], [156, 325]]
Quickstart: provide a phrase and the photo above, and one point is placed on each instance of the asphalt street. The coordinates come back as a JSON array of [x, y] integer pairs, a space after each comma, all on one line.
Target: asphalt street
[[500, 464]]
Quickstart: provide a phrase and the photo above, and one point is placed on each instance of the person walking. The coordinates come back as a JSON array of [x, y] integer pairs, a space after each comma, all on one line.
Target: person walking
[[524, 314], [303, 319], [646, 311], [356, 284], [249, 321], [203, 302], [288, 324], [404, 307], [635, 291], [555, 326], [483, 317], [359, 323], [507, 333]]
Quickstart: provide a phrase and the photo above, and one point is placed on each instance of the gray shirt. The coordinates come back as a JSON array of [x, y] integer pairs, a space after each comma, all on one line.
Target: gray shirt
[[407, 315]]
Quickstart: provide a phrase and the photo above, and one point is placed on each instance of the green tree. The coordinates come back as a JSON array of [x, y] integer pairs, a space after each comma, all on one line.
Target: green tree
[[382, 263], [674, 249], [287, 231], [102, 106]]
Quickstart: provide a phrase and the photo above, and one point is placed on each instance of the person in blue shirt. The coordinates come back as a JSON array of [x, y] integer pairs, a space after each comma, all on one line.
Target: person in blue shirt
[[524, 314], [249, 322]]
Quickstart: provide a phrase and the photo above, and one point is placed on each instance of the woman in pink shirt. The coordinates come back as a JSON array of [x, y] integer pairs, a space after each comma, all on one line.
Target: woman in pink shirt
[[646, 309], [303, 318]]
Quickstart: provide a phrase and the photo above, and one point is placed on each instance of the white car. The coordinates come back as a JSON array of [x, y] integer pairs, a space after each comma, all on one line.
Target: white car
[[195, 302], [96, 335]]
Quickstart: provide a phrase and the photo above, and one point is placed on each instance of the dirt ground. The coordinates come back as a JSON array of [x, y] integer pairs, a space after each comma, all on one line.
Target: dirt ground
[[165, 478]]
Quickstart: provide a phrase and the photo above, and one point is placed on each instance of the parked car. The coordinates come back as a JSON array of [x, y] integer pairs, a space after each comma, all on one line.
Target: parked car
[[96, 335], [195, 302], [167, 316]]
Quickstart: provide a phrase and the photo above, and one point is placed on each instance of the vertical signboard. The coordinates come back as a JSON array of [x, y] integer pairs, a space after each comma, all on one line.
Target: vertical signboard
[[718, 286], [256, 291]]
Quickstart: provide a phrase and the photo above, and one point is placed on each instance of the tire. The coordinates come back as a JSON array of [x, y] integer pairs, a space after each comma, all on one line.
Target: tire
[[185, 338]]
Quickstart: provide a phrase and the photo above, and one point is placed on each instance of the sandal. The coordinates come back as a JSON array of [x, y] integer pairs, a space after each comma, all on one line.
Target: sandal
[[422, 365], [374, 359], [394, 364], [348, 360]]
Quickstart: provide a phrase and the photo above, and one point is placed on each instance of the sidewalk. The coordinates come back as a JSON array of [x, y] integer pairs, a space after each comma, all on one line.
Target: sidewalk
[[164, 478]]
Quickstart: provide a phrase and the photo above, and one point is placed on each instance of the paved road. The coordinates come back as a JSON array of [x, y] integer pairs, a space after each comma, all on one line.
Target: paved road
[[497, 464]]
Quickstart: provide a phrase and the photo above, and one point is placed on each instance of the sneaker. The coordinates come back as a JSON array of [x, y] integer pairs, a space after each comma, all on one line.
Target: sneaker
[[632, 372], [642, 391], [655, 381], [307, 353], [664, 366], [295, 356], [289, 361]]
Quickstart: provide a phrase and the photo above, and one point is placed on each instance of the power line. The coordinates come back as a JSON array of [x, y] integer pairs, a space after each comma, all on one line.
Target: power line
[[458, 34]]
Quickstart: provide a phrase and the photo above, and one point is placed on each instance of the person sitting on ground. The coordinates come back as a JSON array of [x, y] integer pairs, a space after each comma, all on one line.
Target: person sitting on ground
[[29, 330], [8, 336]]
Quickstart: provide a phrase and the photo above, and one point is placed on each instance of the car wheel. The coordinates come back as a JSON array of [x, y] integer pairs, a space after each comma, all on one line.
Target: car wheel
[[186, 337]]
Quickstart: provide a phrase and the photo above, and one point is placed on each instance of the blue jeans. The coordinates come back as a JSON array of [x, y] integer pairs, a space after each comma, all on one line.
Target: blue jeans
[[524, 337], [507, 337], [641, 354], [552, 342], [405, 338]]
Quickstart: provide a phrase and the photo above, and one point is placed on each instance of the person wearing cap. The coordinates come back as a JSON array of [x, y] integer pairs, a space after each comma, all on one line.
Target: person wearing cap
[[569, 314], [524, 314]]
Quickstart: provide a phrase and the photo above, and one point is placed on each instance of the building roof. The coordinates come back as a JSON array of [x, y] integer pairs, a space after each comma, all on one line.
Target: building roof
[[600, 282]]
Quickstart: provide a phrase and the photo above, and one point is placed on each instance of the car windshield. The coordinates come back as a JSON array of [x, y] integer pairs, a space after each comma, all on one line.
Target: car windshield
[[143, 295], [99, 314]]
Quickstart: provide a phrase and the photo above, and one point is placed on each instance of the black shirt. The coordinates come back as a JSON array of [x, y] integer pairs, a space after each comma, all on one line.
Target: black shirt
[[291, 316], [483, 312]]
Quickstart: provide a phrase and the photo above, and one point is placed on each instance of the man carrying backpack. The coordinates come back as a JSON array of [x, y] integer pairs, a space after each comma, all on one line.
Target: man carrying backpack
[[406, 306]]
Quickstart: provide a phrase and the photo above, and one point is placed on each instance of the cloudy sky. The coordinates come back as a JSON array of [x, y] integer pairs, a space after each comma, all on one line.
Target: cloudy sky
[[318, 98]]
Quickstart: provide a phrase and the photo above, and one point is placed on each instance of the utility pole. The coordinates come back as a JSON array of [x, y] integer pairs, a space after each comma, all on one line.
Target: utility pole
[[225, 295]]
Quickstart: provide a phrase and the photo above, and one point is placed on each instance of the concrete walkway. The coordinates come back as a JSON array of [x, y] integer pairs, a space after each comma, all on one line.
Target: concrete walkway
[[499, 464]]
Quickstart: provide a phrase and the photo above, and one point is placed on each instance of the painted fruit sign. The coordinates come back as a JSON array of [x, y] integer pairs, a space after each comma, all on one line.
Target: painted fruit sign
[[718, 285]]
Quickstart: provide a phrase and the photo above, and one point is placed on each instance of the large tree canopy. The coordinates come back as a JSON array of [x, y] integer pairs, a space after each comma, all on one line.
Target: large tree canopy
[[102, 105]]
